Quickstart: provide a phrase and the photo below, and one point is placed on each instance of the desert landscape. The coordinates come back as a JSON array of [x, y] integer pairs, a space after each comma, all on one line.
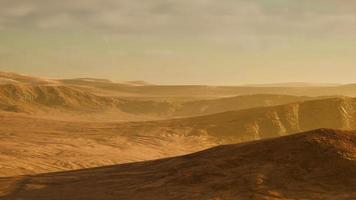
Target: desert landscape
[[113, 140], [177, 100]]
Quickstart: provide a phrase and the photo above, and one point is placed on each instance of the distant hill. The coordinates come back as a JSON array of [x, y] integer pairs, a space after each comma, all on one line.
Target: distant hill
[[22, 98], [31, 98], [20, 78], [294, 84], [22, 94], [141, 89], [319, 164], [171, 108], [137, 83]]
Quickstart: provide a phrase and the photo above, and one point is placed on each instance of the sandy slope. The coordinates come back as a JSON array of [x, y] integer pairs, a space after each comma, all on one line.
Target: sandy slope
[[35, 145], [314, 165]]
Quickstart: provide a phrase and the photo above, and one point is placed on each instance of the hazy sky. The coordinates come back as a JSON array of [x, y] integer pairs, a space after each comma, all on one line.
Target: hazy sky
[[181, 41]]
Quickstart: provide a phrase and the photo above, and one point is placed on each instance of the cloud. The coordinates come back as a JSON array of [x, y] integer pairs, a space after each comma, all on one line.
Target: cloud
[[266, 21], [172, 16]]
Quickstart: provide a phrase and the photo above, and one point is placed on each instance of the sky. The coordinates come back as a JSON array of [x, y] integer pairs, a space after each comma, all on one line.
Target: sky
[[216, 42]]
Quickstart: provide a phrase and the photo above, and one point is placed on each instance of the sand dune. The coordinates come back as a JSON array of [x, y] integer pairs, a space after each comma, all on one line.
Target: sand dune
[[319, 164]]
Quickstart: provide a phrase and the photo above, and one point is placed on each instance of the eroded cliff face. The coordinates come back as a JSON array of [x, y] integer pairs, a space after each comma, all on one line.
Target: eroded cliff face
[[258, 123], [29, 98], [337, 113]]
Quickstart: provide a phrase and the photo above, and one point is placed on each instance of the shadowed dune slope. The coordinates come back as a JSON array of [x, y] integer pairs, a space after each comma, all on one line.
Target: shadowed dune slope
[[319, 164]]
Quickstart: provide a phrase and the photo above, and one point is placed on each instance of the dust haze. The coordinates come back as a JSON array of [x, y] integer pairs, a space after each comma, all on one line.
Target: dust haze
[[177, 100]]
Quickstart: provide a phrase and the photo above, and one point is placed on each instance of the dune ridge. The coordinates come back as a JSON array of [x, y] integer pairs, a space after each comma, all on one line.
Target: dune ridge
[[319, 164]]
